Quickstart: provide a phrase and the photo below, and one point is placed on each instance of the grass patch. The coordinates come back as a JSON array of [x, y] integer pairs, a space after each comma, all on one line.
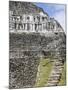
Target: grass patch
[[43, 73]]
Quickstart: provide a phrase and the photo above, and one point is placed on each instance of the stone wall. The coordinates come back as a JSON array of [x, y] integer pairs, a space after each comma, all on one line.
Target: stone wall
[[25, 53]]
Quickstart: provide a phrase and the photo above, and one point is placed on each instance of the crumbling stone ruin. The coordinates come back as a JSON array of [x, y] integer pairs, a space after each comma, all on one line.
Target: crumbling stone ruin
[[33, 34], [20, 21]]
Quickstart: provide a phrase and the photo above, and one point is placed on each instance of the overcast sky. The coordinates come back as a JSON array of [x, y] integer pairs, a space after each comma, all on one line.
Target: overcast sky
[[54, 10]]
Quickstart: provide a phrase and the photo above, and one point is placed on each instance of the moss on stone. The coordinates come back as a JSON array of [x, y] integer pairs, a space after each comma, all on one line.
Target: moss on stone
[[43, 73]]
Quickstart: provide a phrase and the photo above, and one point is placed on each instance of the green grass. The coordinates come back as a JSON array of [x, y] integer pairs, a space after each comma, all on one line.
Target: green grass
[[63, 77], [44, 70]]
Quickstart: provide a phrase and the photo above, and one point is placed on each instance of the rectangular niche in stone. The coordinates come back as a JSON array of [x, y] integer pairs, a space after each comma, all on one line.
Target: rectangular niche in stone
[[37, 45]]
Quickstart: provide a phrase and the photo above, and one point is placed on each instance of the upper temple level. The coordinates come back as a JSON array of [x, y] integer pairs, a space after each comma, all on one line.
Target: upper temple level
[[37, 22]]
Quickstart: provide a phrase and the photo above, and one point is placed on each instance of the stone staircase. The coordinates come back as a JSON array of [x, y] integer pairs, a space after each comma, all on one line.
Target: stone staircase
[[56, 72]]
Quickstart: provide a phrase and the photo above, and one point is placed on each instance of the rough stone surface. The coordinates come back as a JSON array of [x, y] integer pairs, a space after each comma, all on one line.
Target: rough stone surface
[[23, 67], [26, 49]]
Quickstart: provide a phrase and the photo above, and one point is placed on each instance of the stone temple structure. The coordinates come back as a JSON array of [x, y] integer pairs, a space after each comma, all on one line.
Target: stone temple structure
[[36, 22], [33, 35]]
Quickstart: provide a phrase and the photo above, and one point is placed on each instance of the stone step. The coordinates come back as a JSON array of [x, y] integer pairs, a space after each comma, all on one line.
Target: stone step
[[58, 66], [54, 79], [55, 74], [52, 82], [57, 69], [58, 61]]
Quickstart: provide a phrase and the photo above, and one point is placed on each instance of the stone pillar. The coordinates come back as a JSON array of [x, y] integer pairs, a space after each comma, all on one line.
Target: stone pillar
[[26, 26], [22, 26], [30, 26], [37, 27], [17, 25], [40, 27], [33, 27]]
